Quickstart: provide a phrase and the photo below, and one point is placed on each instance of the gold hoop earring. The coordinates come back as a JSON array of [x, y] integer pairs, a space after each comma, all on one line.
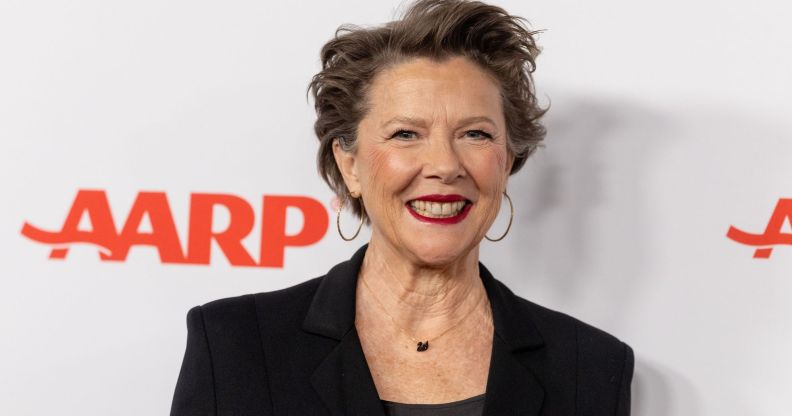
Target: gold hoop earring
[[338, 221], [511, 217]]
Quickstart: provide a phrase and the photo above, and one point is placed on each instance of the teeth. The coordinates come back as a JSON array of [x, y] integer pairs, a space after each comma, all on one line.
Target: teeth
[[437, 209]]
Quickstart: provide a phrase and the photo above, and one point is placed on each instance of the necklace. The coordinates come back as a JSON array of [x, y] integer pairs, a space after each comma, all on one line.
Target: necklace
[[422, 345]]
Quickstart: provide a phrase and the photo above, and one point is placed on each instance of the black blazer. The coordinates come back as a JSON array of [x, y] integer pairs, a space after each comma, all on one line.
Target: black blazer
[[295, 351]]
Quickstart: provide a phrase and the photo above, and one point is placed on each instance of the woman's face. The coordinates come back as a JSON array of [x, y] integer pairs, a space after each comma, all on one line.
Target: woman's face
[[431, 161]]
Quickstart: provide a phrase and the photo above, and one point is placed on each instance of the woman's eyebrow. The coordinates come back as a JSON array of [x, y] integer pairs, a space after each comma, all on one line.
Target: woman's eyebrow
[[476, 119], [419, 122]]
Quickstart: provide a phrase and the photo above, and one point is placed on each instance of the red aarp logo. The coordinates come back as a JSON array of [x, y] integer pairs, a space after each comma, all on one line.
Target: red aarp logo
[[772, 235], [114, 245]]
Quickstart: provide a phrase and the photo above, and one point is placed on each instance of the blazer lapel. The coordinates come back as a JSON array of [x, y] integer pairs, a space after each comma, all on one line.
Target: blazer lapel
[[344, 382], [343, 379], [512, 387]]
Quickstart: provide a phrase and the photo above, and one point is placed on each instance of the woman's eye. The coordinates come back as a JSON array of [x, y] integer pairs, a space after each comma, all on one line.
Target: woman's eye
[[404, 135], [478, 134]]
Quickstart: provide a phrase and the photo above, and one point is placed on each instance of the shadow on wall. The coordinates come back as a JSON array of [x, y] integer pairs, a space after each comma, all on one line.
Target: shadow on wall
[[581, 208], [571, 223], [583, 236]]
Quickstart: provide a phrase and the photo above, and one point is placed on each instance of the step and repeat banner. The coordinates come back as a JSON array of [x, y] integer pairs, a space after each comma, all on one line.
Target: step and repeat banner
[[157, 155]]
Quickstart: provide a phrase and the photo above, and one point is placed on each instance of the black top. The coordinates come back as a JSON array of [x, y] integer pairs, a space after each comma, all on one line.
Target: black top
[[296, 351], [472, 406]]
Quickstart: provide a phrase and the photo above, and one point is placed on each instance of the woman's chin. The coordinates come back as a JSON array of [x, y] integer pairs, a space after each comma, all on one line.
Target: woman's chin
[[437, 252]]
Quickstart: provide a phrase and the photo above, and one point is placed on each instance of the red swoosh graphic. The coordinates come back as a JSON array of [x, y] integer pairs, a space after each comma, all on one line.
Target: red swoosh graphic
[[765, 239], [48, 237]]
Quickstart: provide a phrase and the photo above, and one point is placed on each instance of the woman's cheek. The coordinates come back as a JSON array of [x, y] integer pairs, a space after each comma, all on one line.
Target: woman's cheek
[[501, 158], [391, 168], [376, 161], [379, 178]]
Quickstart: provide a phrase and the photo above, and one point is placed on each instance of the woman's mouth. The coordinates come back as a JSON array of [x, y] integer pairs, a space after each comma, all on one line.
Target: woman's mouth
[[434, 210]]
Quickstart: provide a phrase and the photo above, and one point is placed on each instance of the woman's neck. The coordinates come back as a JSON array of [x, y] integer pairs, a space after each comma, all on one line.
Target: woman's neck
[[422, 299]]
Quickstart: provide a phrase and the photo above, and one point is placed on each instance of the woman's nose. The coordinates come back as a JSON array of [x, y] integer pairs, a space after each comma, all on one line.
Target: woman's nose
[[442, 161]]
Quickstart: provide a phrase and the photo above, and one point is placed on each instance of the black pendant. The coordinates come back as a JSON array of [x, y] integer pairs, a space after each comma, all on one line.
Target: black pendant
[[423, 346]]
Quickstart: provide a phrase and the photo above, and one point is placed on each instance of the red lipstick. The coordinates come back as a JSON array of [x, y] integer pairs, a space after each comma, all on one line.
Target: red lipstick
[[441, 198]]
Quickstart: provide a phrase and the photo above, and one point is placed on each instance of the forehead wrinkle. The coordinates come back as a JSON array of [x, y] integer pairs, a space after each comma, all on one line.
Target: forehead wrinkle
[[404, 93]]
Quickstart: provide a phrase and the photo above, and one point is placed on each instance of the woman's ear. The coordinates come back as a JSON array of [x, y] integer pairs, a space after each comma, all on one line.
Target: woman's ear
[[346, 162], [509, 163]]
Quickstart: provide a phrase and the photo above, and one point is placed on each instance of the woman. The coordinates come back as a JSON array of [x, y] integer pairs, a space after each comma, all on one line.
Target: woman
[[421, 122]]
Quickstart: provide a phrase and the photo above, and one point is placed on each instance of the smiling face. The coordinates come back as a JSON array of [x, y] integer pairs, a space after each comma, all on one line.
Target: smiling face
[[431, 161]]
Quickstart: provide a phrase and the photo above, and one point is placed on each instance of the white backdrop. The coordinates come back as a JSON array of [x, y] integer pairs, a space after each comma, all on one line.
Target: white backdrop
[[669, 124]]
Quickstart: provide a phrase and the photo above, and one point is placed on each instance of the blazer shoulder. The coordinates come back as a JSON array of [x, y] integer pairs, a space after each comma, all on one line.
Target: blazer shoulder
[[551, 323], [604, 363], [242, 311], [225, 369]]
